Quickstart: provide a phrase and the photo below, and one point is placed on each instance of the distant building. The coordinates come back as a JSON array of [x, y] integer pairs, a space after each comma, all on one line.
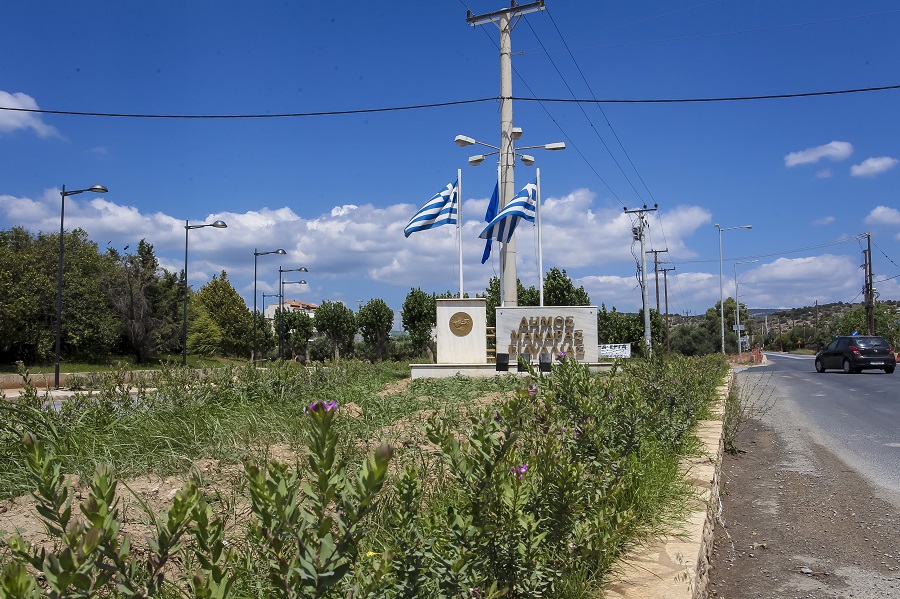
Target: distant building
[[293, 306]]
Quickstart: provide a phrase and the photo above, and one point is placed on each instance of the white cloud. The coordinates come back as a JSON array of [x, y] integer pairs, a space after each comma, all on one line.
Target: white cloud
[[825, 220], [883, 215], [825, 173], [835, 150], [873, 166], [13, 120]]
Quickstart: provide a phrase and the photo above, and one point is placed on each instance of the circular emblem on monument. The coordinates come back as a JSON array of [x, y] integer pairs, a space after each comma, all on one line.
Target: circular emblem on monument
[[461, 324]]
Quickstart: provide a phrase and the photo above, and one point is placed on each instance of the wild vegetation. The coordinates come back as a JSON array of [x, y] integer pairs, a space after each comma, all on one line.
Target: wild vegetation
[[477, 488]]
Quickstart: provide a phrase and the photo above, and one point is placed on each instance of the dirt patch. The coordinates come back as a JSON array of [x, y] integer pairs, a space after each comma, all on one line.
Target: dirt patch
[[817, 531], [394, 388]]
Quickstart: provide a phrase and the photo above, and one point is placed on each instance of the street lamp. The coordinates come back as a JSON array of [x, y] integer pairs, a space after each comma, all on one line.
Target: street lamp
[[256, 254], [59, 277], [737, 306], [187, 227], [281, 288], [507, 154], [721, 288], [281, 271]]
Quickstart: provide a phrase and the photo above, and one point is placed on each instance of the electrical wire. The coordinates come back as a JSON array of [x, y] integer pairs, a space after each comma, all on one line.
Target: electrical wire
[[450, 103], [580, 106]]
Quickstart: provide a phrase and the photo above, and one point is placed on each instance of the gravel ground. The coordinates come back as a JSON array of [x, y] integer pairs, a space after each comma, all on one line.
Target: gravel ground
[[800, 523]]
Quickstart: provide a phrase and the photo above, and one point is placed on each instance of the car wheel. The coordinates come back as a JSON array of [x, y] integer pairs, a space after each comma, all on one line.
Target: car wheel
[[847, 368], [819, 366], [889, 370]]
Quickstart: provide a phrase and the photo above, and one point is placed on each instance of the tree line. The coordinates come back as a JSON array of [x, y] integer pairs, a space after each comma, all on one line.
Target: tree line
[[117, 303]]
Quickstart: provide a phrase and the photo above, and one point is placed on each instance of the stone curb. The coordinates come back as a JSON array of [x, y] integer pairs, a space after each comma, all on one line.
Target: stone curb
[[676, 566]]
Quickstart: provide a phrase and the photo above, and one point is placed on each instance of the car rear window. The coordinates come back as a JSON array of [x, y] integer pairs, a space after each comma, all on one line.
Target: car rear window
[[871, 342]]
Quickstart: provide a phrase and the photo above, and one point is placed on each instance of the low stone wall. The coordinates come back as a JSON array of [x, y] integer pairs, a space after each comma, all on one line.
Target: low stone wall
[[677, 565]]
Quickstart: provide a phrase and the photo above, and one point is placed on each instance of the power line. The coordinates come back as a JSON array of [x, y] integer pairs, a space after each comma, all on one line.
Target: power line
[[713, 99], [450, 103], [566, 83], [252, 116]]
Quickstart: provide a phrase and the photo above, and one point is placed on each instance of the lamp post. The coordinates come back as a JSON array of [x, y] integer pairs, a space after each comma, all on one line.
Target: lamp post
[[256, 254], [59, 277], [187, 227], [281, 272], [507, 154], [281, 288], [737, 306], [721, 288]]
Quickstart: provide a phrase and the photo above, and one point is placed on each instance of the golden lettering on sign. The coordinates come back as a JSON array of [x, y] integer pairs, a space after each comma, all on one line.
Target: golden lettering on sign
[[547, 335], [461, 324]]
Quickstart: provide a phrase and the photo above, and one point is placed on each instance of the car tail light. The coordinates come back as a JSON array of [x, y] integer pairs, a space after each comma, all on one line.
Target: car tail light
[[854, 349]]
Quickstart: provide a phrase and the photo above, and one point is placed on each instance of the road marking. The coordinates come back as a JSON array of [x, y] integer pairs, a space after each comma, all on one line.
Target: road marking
[[892, 444]]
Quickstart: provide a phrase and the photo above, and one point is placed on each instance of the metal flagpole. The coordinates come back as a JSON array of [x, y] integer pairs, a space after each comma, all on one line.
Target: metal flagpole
[[540, 246], [459, 226], [498, 241]]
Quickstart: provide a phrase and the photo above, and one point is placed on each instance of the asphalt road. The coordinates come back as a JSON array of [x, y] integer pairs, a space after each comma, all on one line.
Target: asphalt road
[[855, 416]]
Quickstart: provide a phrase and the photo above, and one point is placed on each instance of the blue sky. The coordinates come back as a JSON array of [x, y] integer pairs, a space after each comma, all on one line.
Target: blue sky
[[335, 192]]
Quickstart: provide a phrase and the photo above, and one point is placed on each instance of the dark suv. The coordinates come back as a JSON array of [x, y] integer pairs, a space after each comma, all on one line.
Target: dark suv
[[854, 354]]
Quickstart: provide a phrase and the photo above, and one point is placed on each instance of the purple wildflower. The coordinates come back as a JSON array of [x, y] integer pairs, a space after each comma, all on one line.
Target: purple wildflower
[[533, 389], [321, 405], [519, 471], [561, 356]]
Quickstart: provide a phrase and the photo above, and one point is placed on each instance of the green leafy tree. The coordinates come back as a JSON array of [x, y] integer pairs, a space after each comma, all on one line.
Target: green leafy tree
[[226, 308], [337, 323], [294, 329], [265, 336], [205, 336], [419, 316], [887, 322], [375, 322], [144, 297], [713, 324], [559, 290], [28, 284]]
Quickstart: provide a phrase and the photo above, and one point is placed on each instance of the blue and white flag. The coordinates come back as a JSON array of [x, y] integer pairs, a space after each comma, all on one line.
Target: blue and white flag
[[492, 208], [440, 210], [504, 224]]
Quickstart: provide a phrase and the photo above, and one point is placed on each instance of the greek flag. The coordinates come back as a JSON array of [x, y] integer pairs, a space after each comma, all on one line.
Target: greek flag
[[521, 206], [493, 205], [440, 210]]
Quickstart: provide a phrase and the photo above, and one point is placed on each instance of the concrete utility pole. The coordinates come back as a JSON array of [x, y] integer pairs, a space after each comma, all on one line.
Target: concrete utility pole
[[870, 290], [638, 234], [506, 20], [656, 254]]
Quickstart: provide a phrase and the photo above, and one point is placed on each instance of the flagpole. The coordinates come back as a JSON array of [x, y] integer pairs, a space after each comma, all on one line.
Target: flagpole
[[499, 195], [540, 246], [459, 227]]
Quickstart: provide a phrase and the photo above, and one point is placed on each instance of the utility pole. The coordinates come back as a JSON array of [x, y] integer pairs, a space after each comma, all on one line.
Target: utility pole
[[656, 254], [506, 20], [638, 235], [869, 289], [665, 271]]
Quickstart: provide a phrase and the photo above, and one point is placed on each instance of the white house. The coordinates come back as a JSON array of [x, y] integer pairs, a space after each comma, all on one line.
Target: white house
[[292, 306]]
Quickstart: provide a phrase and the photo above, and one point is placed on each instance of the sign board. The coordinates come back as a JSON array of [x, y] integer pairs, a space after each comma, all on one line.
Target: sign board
[[614, 350], [737, 327], [548, 330]]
